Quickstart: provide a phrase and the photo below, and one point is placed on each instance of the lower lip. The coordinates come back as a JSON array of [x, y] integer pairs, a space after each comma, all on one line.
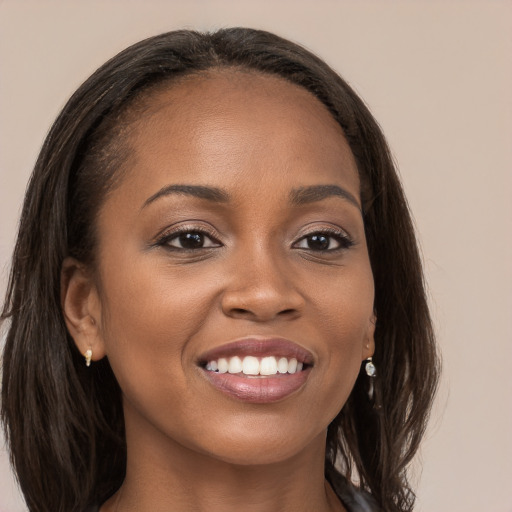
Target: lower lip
[[258, 390]]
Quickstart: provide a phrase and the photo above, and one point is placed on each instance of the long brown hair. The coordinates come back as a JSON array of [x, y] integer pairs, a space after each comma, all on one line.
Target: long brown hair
[[64, 422]]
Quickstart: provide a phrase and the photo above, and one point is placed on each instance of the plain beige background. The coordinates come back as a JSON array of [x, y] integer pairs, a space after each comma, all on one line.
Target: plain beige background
[[438, 77]]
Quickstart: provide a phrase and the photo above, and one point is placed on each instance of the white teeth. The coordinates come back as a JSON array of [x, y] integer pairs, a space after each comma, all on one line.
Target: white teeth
[[282, 365], [222, 365], [212, 366], [251, 365], [268, 366], [235, 365]]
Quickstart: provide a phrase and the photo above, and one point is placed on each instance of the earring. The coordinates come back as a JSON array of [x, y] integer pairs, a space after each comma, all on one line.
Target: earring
[[371, 371], [88, 357]]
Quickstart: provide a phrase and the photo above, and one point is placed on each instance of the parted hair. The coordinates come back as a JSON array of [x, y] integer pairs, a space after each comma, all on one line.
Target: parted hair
[[64, 422]]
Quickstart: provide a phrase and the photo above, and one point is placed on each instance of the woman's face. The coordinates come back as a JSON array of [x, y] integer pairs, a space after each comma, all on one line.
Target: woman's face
[[234, 242]]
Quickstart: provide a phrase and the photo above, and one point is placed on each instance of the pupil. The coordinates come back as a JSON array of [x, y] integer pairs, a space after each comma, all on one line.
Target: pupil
[[318, 242], [191, 240]]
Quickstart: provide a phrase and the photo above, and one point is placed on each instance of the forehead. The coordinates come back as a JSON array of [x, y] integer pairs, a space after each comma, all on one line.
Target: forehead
[[233, 122]]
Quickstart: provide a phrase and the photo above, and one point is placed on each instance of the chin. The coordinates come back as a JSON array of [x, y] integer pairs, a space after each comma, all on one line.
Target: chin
[[261, 446]]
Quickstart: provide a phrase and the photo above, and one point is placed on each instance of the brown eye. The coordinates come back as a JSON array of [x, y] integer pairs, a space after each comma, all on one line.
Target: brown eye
[[318, 242], [324, 241], [190, 240]]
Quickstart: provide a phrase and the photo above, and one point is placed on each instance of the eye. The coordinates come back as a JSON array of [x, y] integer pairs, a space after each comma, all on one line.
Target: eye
[[189, 239], [324, 241]]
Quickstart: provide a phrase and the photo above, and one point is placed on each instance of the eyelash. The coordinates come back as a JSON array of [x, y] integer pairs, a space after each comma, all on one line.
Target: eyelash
[[167, 237], [343, 240]]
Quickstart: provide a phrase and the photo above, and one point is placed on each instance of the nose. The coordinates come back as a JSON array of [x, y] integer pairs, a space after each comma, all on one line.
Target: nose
[[262, 289]]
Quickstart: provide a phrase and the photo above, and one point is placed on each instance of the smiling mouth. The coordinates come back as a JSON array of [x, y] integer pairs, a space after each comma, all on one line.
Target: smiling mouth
[[257, 370]]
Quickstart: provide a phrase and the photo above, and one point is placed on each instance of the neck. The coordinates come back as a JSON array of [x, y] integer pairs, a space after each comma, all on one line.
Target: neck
[[165, 476]]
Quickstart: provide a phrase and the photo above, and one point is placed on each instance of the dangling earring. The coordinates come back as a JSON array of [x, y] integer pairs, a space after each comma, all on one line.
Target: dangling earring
[[371, 371], [88, 357]]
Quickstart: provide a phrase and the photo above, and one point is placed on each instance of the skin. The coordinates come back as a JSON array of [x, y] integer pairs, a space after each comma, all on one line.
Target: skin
[[153, 308]]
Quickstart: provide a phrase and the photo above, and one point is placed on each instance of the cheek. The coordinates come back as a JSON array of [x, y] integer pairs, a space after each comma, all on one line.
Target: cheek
[[149, 320], [345, 314], [149, 317], [343, 303], [144, 295]]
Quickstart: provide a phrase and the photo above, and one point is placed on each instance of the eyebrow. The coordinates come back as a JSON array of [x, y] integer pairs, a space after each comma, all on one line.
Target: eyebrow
[[314, 193], [210, 193], [298, 196]]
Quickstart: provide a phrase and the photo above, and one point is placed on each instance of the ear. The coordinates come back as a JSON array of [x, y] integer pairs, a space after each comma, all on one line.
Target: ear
[[369, 344], [81, 307]]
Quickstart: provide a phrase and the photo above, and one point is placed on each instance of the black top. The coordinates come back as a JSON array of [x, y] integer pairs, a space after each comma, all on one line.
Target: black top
[[353, 499]]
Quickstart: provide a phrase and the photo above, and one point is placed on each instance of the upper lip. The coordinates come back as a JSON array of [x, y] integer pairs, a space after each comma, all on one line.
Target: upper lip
[[258, 346]]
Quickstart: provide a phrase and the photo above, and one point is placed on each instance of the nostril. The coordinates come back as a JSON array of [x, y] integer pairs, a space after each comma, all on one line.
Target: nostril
[[239, 311], [287, 312]]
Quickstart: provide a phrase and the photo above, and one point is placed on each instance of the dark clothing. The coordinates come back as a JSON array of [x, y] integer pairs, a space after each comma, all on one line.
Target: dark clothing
[[353, 499]]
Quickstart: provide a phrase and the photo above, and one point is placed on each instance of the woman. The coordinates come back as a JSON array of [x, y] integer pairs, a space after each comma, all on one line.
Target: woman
[[216, 299]]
